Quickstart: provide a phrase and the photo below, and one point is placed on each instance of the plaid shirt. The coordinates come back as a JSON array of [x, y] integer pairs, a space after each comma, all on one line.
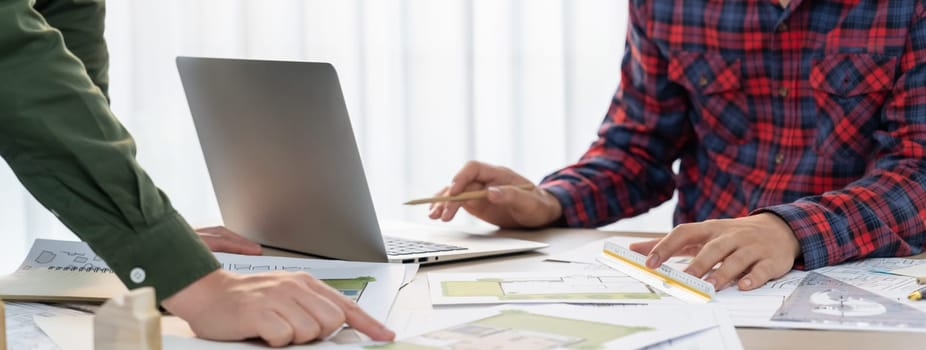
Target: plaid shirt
[[815, 112]]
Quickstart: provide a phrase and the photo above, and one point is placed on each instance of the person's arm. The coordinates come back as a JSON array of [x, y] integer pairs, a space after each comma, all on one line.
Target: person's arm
[[628, 170], [81, 23], [60, 138], [884, 213], [62, 142]]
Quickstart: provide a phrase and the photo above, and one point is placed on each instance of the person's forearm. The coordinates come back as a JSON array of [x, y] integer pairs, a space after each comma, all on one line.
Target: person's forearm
[[628, 170], [881, 214], [60, 138]]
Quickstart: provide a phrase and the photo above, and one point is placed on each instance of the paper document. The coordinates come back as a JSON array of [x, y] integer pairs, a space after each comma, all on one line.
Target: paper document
[[68, 270], [21, 330], [567, 327], [76, 333], [916, 271], [604, 287], [823, 299], [757, 307]]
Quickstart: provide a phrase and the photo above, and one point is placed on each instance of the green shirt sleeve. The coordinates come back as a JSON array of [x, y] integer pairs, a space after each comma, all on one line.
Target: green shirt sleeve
[[60, 138], [81, 23]]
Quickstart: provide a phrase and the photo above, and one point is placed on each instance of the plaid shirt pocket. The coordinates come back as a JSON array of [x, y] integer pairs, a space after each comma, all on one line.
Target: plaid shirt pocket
[[720, 113], [849, 89]]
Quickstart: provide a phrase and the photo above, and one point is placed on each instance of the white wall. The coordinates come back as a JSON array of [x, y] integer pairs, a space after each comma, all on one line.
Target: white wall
[[429, 84]]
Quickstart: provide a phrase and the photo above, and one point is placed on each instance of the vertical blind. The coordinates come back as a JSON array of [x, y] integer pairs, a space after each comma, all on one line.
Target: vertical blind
[[429, 84]]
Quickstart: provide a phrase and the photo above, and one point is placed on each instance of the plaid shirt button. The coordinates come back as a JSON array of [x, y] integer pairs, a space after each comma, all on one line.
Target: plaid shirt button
[[779, 158], [783, 91], [782, 28]]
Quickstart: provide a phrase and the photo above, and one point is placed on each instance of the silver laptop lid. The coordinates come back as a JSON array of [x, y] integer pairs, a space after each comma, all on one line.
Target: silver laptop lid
[[282, 156]]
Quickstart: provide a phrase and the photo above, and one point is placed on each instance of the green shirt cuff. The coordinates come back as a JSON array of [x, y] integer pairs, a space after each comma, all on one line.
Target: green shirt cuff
[[168, 257]]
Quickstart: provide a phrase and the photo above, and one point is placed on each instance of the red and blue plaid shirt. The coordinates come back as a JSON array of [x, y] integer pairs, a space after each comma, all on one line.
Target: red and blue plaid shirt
[[815, 112]]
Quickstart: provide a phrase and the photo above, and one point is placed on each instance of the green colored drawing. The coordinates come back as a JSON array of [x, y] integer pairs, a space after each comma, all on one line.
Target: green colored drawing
[[351, 287], [516, 329], [480, 288], [493, 287]]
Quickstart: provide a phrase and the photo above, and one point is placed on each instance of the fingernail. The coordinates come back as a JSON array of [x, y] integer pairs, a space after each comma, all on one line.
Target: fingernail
[[652, 261], [746, 283], [494, 192]]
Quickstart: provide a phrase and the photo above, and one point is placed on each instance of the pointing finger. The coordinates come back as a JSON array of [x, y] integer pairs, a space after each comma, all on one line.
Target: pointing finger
[[355, 316]]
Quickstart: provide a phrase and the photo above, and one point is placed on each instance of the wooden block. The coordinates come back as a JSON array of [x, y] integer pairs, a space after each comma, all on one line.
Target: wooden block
[[128, 322], [2, 326]]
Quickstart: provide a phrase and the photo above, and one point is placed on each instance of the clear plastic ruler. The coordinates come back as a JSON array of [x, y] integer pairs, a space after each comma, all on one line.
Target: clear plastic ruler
[[823, 299], [666, 279]]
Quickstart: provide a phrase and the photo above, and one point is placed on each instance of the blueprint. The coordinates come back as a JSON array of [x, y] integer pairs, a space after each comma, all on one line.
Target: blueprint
[[822, 299], [519, 329], [562, 326], [603, 287]]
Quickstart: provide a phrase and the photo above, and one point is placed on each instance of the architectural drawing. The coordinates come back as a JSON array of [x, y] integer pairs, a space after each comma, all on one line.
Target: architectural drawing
[[351, 287], [517, 329], [823, 299], [465, 288]]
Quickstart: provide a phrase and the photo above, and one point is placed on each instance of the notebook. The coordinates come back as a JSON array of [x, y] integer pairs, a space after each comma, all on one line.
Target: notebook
[[61, 271]]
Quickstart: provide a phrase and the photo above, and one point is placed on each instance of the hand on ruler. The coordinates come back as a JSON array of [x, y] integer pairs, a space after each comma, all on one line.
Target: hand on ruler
[[761, 247]]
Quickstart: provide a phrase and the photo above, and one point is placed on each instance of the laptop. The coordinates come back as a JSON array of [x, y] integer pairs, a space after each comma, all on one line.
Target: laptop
[[284, 164]]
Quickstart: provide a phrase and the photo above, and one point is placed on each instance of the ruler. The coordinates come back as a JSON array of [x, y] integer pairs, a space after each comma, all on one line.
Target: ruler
[[666, 279], [823, 299]]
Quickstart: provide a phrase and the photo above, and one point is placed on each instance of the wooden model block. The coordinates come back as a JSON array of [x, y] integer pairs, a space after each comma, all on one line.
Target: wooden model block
[[128, 322], [2, 326]]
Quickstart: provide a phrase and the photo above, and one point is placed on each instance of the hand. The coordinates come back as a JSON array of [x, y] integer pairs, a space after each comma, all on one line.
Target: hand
[[221, 239], [504, 206], [280, 307], [761, 246]]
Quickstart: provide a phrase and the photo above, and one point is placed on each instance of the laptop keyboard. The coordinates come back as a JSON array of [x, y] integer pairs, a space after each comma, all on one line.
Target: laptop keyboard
[[399, 246]]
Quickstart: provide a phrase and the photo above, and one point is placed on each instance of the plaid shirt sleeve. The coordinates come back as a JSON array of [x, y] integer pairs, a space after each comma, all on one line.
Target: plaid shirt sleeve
[[815, 112], [628, 169], [881, 214]]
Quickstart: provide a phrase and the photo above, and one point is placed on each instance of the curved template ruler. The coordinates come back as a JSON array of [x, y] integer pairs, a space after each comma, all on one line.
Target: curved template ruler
[[664, 278], [823, 299]]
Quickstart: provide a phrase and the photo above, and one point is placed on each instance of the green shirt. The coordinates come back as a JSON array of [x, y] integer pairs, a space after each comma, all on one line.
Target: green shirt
[[61, 139]]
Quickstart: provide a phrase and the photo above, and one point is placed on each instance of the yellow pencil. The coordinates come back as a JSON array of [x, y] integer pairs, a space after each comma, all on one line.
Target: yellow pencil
[[462, 196], [917, 294]]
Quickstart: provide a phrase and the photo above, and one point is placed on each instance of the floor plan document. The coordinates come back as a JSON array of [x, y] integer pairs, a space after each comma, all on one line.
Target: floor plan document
[[568, 327], [602, 287], [822, 299]]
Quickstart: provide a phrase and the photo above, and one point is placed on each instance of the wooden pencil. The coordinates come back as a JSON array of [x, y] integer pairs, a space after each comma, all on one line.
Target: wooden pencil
[[462, 196]]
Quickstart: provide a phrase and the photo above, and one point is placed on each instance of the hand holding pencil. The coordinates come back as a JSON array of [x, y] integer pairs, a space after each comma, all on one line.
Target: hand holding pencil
[[479, 194], [496, 195]]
